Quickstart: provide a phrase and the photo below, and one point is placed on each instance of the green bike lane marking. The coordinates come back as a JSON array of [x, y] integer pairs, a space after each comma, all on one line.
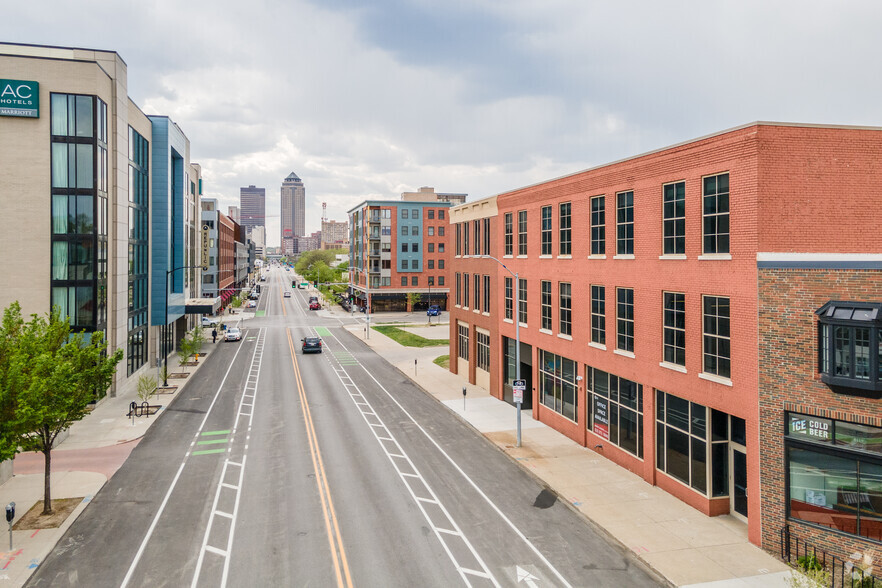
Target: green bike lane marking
[[342, 357], [212, 442]]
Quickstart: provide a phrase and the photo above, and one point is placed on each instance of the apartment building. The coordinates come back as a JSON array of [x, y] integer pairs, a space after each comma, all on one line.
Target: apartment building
[[691, 313], [399, 249]]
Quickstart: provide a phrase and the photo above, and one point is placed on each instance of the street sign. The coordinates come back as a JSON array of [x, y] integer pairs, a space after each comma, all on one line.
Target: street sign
[[518, 387]]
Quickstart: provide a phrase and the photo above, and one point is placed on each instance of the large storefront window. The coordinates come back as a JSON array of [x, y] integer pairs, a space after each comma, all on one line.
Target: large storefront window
[[557, 383], [681, 445], [615, 409], [835, 475]]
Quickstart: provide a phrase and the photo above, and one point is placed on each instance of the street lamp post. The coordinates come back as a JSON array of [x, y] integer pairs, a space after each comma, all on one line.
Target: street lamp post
[[165, 322], [516, 317]]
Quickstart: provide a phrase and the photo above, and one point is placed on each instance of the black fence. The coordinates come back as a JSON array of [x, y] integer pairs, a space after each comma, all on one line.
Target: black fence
[[844, 573]]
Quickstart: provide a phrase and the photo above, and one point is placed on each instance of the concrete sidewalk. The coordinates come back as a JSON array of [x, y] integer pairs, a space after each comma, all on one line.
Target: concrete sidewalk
[[683, 545], [91, 452]]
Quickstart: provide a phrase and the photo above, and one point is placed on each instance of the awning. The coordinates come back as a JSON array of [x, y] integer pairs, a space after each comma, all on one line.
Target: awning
[[208, 306]]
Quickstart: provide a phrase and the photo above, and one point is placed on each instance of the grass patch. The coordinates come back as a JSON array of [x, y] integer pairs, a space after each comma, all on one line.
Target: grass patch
[[443, 361], [408, 339]]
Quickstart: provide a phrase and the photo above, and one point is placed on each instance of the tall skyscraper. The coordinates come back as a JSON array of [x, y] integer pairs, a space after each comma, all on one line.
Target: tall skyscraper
[[293, 217], [252, 207]]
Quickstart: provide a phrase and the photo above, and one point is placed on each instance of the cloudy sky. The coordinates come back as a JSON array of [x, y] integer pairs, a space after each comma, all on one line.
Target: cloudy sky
[[368, 99]]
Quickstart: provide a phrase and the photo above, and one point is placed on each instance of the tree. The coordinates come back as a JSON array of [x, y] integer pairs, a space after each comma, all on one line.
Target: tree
[[50, 376], [413, 298]]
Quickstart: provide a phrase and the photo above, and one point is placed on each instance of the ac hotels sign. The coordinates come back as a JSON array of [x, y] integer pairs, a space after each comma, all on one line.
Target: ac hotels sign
[[19, 98]]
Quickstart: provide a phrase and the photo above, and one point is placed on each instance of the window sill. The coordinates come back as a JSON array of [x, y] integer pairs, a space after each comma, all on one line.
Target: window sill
[[506, 257], [457, 306], [712, 256], [523, 325], [545, 257], [714, 378], [564, 256], [522, 257], [545, 332], [673, 366], [509, 321], [624, 353], [485, 314], [597, 257], [624, 256], [477, 311], [565, 337], [673, 256], [600, 346]]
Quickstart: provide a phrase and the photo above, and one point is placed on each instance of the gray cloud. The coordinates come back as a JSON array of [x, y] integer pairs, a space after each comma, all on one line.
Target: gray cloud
[[369, 99]]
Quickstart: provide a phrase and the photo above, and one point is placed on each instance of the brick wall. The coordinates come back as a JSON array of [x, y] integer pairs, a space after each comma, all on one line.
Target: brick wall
[[788, 380]]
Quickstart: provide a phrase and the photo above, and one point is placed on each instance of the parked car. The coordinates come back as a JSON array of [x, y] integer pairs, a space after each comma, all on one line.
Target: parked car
[[208, 321], [311, 345], [287, 294], [434, 310], [314, 305], [251, 304], [233, 334]]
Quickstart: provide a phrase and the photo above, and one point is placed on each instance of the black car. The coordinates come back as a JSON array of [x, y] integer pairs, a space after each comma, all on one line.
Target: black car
[[311, 345]]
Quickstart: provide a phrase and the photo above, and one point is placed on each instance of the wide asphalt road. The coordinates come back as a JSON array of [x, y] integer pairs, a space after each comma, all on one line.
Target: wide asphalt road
[[274, 468]]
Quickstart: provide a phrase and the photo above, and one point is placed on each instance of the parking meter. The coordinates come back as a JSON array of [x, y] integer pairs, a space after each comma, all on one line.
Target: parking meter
[[10, 514], [463, 397]]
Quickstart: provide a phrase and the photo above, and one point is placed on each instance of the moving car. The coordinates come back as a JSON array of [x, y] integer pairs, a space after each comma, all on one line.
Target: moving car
[[311, 345], [208, 321], [314, 305], [313, 298], [251, 304], [287, 294], [232, 334], [434, 310]]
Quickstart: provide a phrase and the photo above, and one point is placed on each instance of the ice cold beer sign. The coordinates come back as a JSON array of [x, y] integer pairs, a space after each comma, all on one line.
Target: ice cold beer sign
[[811, 427], [19, 98]]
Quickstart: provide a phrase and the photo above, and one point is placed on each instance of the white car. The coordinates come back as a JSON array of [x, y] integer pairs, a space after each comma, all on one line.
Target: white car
[[287, 294], [207, 321], [232, 334], [251, 304]]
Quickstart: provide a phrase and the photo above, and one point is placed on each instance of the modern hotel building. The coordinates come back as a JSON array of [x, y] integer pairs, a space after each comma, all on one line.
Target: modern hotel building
[[104, 198]]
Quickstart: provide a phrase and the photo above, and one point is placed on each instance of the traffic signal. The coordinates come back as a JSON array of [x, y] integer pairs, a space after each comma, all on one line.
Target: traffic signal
[[293, 284]]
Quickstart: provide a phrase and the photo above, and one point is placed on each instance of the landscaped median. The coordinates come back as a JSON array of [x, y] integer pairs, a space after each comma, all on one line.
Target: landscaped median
[[408, 339]]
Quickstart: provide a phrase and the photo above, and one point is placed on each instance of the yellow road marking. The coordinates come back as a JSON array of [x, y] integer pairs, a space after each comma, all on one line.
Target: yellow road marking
[[335, 538]]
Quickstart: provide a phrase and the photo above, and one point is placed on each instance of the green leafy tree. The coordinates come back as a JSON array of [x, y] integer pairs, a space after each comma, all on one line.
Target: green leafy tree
[[413, 298], [50, 376]]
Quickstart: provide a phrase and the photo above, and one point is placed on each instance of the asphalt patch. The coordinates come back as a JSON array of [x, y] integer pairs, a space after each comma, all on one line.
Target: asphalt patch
[[545, 499]]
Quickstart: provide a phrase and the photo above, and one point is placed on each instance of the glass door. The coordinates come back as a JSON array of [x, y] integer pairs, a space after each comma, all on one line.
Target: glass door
[[738, 483]]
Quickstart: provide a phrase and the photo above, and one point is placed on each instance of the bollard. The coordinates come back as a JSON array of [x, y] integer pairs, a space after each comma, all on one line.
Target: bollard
[[463, 397], [414, 367]]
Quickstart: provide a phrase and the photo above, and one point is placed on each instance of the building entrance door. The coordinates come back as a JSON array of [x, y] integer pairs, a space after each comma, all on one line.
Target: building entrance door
[[738, 482]]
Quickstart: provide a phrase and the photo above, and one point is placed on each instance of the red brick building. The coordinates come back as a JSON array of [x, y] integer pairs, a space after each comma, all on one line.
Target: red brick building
[[398, 248], [648, 329]]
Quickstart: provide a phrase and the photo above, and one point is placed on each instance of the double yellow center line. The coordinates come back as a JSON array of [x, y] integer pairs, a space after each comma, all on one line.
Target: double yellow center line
[[335, 539]]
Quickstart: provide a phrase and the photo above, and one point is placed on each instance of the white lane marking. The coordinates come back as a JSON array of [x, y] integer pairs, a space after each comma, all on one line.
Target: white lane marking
[[146, 539], [256, 363], [342, 375], [462, 473]]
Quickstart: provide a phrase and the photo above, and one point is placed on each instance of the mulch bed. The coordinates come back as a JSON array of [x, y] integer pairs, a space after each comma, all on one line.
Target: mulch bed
[[33, 519], [166, 389], [177, 376]]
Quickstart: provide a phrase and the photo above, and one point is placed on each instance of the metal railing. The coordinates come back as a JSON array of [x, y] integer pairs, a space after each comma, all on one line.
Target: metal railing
[[844, 573]]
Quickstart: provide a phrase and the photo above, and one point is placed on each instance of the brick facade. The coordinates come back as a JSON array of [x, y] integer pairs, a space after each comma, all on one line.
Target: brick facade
[[793, 190], [789, 381]]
